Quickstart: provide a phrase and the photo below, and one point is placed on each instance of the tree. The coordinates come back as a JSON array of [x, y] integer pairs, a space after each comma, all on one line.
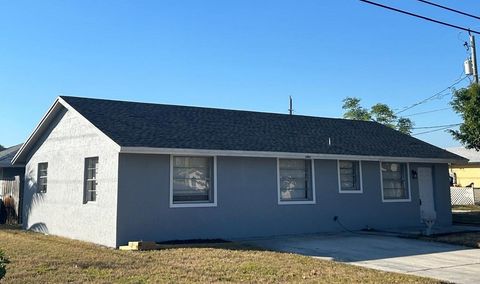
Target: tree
[[466, 102], [380, 113], [1, 147], [354, 110], [404, 125]]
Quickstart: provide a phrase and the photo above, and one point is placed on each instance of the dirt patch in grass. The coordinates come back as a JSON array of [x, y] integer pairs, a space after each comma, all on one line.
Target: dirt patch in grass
[[36, 258]]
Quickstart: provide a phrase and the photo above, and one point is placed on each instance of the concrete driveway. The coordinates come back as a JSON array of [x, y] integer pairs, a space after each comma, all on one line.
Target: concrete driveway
[[430, 259]]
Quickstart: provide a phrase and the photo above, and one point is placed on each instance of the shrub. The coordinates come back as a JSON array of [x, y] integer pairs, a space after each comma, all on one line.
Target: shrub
[[3, 264]]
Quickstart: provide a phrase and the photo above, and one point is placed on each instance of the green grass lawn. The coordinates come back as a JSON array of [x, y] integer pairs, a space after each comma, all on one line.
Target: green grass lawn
[[36, 258]]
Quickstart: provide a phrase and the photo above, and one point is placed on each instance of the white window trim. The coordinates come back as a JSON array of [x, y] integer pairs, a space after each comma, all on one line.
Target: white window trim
[[39, 177], [190, 205], [281, 202], [409, 199], [359, 172], [85, 201]]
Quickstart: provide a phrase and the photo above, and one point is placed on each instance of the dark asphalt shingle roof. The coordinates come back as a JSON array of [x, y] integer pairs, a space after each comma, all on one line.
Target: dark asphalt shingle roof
[[133, 124], [7, 155]]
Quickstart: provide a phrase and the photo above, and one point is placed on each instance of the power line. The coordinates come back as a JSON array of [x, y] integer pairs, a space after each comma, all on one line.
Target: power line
[[449, 9], [430, 131], [420, 16], [431, 97], [437, 126], [473, 59], [425, 132], [425, 112]]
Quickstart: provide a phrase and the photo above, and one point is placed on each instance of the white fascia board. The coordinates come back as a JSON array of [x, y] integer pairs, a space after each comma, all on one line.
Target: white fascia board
[[267, 154]]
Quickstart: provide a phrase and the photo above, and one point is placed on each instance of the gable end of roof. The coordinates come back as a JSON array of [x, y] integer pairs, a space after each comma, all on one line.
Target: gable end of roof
[[59, 104]]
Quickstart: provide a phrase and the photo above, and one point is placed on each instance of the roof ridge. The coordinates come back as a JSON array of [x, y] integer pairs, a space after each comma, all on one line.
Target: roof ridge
[[221, 109]]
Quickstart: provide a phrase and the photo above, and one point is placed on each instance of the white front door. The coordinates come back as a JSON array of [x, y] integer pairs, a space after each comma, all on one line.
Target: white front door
[[425, 188]]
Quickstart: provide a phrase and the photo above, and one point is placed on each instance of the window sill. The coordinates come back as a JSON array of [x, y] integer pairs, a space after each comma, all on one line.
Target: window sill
[[351, 191], [396, 200], [192, 205], [296, 202]]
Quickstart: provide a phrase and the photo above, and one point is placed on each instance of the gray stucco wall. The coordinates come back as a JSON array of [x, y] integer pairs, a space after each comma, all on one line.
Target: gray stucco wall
[[60, 211], [248, 205]]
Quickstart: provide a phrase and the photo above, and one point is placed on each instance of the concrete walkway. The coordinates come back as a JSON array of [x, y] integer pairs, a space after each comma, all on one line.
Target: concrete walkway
[[430, 259]]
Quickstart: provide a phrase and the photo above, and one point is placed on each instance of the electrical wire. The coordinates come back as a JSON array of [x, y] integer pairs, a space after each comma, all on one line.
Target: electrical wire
[[425, 112], [344, 227], [430, 131], [420, 16], [433, 96], [449, 9], [435, 21], [437, 126]]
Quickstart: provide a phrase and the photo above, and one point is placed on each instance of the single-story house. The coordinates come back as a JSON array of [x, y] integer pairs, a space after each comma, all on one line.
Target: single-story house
[[110, 171], [466, 174]]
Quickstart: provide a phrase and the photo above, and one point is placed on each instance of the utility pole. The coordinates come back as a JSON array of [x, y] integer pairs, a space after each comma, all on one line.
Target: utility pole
[[474, 58], [290, 110]]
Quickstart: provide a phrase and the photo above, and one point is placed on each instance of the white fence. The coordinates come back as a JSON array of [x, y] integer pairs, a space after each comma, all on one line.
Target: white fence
[[462, 195], [9, 187]]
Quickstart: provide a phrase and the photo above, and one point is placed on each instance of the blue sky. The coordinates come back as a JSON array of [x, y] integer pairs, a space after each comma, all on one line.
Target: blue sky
[[247, 55]]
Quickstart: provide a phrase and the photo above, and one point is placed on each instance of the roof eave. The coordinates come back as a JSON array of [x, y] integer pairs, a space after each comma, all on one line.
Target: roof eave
[[268, 154], [17, 165]]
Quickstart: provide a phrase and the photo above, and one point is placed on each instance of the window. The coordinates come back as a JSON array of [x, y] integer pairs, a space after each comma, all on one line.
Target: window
[[350, 176], [395, 183], [193, 182], [42, 177], [295, 181], [91, 170]]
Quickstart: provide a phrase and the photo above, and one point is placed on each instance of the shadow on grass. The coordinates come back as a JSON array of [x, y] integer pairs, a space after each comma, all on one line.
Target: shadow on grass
[[39, 228], [209, 244], [466, 217], [10, 227]]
